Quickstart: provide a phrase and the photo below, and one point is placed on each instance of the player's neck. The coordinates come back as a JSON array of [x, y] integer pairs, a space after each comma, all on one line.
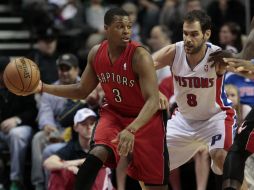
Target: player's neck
[[115, 51], [194, 59]]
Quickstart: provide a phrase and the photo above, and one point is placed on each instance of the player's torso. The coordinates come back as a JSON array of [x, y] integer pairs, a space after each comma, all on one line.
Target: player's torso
[[199, 91], [119, 82]]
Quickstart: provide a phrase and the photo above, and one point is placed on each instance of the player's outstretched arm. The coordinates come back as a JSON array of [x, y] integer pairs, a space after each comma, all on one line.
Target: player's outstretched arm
[[240, 66], [79, 90], [164, 56]]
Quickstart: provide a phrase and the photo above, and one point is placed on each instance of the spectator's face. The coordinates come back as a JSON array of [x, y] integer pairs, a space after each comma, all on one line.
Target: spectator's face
[[225, 36], [232, 94], [85, 128], [157, 39], [119, 31], [67, 74], [193, 5], [194, 38], [47, 47]]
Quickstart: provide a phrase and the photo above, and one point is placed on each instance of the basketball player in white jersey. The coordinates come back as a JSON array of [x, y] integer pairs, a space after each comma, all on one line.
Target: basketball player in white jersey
[[204, 115]]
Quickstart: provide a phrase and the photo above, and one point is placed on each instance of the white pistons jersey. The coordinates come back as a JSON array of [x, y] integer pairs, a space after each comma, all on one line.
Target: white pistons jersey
[[199, 91]]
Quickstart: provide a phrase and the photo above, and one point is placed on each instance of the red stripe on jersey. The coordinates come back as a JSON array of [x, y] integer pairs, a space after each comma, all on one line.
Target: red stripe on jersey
[[229, 120]]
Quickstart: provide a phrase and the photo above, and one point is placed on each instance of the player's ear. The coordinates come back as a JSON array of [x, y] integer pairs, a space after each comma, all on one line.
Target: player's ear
[[207, 34]]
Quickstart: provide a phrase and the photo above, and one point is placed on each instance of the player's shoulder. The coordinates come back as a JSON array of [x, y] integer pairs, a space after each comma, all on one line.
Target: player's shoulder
[[212, 47], [93, 52]]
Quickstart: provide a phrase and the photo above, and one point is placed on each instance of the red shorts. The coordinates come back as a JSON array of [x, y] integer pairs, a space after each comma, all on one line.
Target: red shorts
[[149, 162]]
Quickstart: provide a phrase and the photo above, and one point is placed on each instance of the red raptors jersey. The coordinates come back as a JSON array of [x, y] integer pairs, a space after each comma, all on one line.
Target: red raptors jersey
[[119, 82]]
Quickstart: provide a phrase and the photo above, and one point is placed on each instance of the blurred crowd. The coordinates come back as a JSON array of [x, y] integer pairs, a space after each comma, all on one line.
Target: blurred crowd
[[38, 132]]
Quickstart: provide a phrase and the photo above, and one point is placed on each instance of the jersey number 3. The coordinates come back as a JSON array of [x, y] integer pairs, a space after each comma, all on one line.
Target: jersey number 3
[[118, 97], [192, 100]]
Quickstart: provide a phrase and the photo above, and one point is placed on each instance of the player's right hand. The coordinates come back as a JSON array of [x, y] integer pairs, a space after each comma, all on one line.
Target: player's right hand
[[125, 141]]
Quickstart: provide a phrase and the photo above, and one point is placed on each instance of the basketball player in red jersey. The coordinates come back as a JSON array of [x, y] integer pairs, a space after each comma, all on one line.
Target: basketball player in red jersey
[[130, 123]]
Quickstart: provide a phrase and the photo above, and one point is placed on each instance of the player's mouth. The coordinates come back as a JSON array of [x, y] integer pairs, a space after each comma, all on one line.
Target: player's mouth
[[188, 47], [126, 39]]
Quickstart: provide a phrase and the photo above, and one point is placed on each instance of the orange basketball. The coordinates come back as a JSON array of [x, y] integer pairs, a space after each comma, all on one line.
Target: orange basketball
[[21, 76]]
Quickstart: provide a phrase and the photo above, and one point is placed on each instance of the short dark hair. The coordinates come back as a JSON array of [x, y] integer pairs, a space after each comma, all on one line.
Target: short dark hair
[[201, 17], [109, 15]]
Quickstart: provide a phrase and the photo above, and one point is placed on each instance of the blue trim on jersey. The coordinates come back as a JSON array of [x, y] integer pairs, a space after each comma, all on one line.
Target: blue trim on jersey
[[223, 95], [209, 45]]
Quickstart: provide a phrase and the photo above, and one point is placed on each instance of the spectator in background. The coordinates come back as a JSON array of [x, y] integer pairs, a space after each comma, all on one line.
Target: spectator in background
[[17, 117], [159, 38], [230, 37], [222, 11], [45, 54], [191, 5], [92, 40], [50, 108], [94, 12], [132, 10], [245, 87], [65, 162], [148, 16], [241, 110], [171, 16]]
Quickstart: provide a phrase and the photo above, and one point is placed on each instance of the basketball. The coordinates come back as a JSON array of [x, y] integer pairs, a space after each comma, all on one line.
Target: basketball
[[21, 76]]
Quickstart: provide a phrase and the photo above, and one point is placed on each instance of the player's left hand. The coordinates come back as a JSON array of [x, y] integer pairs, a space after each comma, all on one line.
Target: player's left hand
[[164, 105], [125, 141], [217, 57]]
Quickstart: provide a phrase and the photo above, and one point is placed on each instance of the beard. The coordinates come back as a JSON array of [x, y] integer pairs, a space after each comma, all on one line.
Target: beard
[[191, 49]]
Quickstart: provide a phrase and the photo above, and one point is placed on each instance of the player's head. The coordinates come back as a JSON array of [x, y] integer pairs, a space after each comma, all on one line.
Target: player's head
[[84, 122], [117, 25], [196, 31]]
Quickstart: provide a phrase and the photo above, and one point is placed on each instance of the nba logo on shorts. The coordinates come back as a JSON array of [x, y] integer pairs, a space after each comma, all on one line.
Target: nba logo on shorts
[[206, 68]]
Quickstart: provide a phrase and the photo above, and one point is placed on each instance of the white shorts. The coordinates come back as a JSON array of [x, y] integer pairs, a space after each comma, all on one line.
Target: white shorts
[[185, 137]]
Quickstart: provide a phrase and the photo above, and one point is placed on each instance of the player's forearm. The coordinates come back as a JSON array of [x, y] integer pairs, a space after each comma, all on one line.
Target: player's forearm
[[72, 91]]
